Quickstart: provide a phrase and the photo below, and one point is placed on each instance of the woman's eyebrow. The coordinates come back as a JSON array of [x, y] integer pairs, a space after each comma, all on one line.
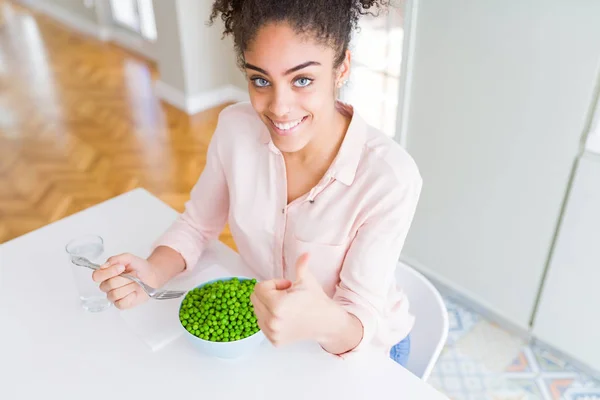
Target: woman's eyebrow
[[289, 71], [301, 66]]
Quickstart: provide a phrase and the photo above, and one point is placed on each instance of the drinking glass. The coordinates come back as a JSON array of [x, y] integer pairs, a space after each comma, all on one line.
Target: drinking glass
[[92, 248]]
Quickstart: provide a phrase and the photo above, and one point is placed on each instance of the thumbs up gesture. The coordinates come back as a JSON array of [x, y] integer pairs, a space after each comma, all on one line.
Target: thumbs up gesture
[[291, 311]]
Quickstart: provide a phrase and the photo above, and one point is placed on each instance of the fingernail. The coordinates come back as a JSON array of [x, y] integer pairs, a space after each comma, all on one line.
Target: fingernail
[[105, 265], [121, 268]]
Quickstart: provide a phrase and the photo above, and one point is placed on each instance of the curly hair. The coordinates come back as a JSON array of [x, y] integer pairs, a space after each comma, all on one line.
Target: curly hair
[[329, 21]]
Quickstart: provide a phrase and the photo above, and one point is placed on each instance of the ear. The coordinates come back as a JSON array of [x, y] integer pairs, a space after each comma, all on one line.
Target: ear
[[343, 73]]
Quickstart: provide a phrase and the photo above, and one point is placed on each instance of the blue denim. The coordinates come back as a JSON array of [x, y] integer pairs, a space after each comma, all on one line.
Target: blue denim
[[400, 351]]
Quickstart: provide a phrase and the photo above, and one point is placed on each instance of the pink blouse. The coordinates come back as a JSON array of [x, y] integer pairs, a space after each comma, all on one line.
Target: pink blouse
[[353, 222]]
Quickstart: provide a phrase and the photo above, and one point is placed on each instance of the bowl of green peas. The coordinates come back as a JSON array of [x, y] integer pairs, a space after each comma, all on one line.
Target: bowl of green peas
[[219, 318]]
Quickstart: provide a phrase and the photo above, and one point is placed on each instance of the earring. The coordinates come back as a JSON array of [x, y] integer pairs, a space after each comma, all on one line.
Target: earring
[[342, 83]]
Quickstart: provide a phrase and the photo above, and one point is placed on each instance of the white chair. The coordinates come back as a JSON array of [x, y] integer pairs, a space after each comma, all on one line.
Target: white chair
[[430, 331]]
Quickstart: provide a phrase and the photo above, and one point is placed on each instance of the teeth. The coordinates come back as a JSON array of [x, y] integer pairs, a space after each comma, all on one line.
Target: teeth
[[287, 125]]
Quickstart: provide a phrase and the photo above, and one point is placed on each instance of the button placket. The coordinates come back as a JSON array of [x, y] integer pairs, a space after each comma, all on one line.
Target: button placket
[[319, 189], [281, 270]]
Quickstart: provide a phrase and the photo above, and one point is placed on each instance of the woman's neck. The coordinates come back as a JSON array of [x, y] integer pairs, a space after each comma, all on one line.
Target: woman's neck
[[325, 145]]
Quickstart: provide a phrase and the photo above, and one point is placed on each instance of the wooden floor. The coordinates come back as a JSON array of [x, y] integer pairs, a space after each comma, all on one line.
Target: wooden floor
[[80, 123]]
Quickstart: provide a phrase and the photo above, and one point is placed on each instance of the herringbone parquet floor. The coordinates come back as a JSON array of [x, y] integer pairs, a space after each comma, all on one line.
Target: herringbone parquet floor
[[79, 124]]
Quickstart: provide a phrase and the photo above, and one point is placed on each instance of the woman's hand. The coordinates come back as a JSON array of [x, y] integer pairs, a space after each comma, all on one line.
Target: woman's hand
[[163, 264], [121, 291], [289, 312]]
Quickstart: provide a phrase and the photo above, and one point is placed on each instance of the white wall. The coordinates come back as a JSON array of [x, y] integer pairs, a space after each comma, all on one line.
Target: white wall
[[208, 59], [499, 96], [168, 45], [197, 68]]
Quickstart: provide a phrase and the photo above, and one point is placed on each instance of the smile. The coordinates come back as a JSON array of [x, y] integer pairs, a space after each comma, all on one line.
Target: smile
[[288, 127]]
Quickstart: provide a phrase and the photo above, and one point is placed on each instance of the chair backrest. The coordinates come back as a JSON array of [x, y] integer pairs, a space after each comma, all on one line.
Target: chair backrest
[[430, 331]]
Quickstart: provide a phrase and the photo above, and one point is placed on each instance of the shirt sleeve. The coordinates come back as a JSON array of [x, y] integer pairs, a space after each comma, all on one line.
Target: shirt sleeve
[[367, 287], [206, 211]]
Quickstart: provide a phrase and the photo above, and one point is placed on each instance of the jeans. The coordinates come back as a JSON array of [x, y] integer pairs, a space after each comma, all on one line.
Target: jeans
[[400, 351]]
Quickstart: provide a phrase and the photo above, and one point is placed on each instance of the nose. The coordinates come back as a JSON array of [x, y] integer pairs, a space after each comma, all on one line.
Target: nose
[[280, 104]]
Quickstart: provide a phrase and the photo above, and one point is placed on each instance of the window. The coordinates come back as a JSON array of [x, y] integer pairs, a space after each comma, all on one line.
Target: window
[[373, 88], [135, 15]]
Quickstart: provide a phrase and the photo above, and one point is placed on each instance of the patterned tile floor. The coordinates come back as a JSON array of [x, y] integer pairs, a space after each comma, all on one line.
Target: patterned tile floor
[[483, 362]]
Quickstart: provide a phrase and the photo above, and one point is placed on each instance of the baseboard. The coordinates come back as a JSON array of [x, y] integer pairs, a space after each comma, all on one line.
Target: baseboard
[[213, 98], [71, 19], [478, 305], [201, 101]]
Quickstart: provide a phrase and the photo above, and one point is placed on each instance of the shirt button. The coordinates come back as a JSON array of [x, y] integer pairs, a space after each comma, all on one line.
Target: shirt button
[[283, 210]]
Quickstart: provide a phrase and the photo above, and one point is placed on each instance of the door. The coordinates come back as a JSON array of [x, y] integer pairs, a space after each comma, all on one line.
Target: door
[[568, 315]]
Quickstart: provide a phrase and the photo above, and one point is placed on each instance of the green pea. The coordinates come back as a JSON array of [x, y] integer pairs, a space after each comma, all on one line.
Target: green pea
[[220, 311]]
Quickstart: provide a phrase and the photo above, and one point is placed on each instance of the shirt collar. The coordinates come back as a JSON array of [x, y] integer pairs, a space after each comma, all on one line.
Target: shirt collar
[[346, 162], [344, 166]]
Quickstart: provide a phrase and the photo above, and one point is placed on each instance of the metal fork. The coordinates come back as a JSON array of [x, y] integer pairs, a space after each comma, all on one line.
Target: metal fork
[[152, 292]]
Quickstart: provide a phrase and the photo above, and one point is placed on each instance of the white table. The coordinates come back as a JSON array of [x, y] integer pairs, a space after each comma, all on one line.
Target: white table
[[51, 349]]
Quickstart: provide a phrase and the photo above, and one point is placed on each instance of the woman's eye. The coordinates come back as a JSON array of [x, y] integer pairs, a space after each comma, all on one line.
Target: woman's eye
[[260, 82], [302, 82]]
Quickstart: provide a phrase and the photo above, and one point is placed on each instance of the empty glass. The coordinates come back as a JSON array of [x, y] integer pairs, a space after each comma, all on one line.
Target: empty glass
[[92, 248]]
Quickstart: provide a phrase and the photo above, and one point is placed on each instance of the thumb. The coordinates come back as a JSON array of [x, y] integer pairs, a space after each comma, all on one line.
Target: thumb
[[303, 273], [282, 284], [124, 259], [114, 266], [274, 284]]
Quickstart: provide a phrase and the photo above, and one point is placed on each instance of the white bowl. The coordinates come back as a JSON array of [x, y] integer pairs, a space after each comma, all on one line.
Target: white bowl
[[233, 349]]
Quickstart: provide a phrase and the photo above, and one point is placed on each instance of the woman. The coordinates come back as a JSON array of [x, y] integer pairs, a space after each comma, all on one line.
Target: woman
[[319, 203]]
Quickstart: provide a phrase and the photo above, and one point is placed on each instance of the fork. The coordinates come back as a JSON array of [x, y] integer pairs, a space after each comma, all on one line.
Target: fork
[[150, 291]]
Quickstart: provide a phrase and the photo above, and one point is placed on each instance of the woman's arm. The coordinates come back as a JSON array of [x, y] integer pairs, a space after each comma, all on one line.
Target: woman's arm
[[341, 331], [368, 273], [166, 263]]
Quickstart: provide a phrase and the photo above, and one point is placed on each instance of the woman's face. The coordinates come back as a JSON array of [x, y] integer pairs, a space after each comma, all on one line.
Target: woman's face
[[292, 84]]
